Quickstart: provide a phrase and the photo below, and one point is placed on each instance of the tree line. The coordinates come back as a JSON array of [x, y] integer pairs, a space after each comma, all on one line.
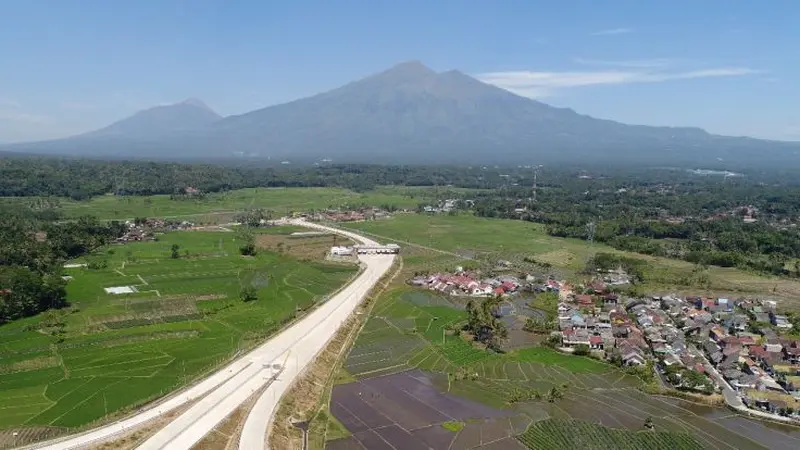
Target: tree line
[[32, 254]]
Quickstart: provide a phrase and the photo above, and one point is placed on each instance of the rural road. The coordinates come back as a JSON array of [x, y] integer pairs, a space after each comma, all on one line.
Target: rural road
[[276, 364], [733, 399]]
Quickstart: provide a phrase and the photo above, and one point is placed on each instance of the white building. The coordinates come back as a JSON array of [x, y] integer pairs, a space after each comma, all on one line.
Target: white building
[[342, 251]]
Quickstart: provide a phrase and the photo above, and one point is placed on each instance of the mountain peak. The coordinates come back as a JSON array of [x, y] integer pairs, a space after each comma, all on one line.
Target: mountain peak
[[409, 70], [196, 103]]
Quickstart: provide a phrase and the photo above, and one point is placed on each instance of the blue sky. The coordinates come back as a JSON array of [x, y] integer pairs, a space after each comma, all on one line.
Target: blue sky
[[74, 65]]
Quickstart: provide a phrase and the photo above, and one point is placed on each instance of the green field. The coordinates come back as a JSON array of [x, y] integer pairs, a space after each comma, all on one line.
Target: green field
[[107, 352], [513, 240], [279, 200]]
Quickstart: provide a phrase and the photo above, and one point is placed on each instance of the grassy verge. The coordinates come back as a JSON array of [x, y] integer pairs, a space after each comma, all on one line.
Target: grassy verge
[[309, 397]]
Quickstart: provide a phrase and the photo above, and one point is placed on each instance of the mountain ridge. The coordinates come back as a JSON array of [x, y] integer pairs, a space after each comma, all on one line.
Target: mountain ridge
[[411, 114]]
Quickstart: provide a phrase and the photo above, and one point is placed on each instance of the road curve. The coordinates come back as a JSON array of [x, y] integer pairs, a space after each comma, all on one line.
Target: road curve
[[254, 432], [224, 390]]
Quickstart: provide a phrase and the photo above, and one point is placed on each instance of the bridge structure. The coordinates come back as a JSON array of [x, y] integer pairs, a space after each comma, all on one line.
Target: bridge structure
[[363, 249]]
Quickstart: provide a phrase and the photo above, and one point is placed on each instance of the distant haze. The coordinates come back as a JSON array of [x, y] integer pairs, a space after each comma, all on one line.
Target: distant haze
[[410, 114]]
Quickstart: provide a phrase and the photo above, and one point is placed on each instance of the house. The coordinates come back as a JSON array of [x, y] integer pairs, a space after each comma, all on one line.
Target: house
[[766, 383], [610, 299], [671, 360], [745, 382], [570, 338], [564, 311], [596, 342], [633, 358], [578, 321], [791, 352], [509, 286], [747, 340], [717, 333], [620, 331], [773, 347], [584, 300], [781, 321], [598, 287], [761, 317], [482, 290], [733, 374]]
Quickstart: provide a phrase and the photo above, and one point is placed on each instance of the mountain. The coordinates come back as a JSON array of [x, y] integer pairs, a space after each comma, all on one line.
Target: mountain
[[142, 134], [187, 116], [411, 114]]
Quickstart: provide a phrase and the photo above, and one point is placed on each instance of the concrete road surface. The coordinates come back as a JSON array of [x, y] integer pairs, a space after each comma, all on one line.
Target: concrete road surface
[[276, 363]]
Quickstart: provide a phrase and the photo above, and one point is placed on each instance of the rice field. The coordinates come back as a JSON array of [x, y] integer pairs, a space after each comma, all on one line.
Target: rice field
[[279, 200], [108, 353], [553, 434]]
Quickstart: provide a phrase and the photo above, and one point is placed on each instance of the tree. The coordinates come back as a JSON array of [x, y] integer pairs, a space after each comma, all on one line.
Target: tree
[[555, 393], [581, 350], [175, 249], [249, 246], [483, 324], [248, 294]]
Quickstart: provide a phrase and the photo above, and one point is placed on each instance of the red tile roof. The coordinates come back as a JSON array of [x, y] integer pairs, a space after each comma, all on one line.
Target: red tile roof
[[747, 340], [595, 340]]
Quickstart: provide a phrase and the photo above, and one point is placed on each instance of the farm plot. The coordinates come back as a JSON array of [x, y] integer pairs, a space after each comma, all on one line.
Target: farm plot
[[112, 352], [406, 411], [560, 434]]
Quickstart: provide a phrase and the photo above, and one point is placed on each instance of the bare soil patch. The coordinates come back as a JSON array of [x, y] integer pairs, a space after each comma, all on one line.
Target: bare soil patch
[[405, 410], [311, 248], [28, 435]]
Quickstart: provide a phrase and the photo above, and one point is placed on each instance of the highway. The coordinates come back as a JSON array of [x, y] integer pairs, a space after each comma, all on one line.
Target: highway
[[276, 364]]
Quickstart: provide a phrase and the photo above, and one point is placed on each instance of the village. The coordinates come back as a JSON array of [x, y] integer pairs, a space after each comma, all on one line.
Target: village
[[698, 345]]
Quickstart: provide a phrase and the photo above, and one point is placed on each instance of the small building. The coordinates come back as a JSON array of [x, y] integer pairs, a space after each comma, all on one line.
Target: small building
[[341, 251]]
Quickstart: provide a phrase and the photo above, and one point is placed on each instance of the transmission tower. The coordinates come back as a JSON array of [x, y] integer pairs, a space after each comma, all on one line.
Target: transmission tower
[[591, 227], [535, 179]]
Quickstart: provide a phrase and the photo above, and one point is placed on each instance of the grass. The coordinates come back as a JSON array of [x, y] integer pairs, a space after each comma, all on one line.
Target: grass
[[117, 351], [561, 434], [455, 427], [280, 200], [493, 239]]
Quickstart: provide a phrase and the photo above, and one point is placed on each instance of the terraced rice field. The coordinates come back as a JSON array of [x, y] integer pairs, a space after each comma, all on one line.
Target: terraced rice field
[[112, 352], [553, 434]]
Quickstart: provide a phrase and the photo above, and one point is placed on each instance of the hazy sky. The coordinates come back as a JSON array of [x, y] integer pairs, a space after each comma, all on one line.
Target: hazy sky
[[70, 66]]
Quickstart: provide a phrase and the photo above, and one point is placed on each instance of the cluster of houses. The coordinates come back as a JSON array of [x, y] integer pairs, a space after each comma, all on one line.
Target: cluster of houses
[[468, 283], [146, 229], [738, 340], [687, 334], [446, 206], [598, 320], [357, 215], [745, 347]]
